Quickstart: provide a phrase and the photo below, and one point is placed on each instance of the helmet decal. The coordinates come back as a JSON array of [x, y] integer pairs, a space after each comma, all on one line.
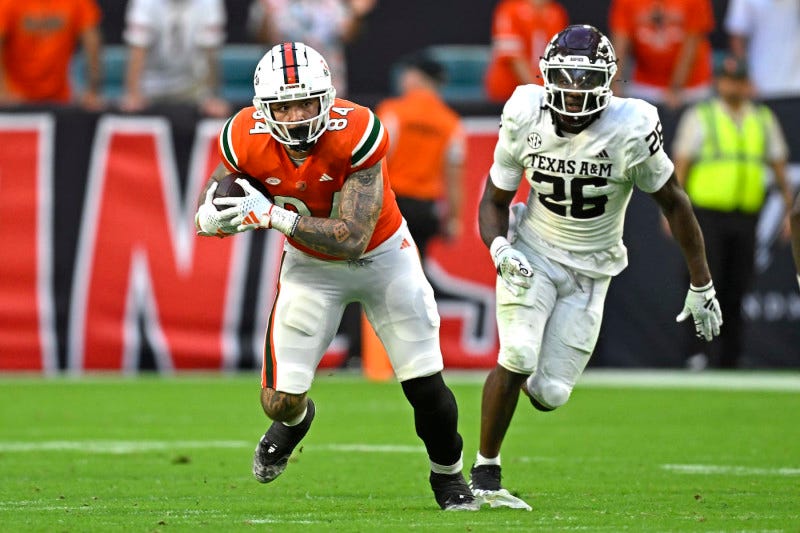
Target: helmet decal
[[289, 55]]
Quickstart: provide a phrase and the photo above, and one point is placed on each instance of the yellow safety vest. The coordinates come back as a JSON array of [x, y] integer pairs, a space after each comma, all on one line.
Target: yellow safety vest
[[729, 174]]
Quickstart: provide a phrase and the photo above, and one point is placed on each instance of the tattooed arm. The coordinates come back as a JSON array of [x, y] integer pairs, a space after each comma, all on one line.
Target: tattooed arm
[[347, 237]]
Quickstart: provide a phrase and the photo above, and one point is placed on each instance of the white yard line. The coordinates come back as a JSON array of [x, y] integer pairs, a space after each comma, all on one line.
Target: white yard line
[[118, 446], [129, 447], [729, 470], [730, 380], [788, 381], [132, 446], [756, 380]]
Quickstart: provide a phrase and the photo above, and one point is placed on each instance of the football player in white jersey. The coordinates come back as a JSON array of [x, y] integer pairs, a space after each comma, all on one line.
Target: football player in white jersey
[[582, 150]]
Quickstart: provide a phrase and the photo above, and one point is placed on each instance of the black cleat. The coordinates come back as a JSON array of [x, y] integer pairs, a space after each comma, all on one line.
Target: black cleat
[[452, 493], [485, 484], [276, 446]]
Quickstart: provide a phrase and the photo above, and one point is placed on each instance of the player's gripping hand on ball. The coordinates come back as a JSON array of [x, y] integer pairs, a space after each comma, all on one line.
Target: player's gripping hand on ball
[[209, 221], [512, 266], [702, 305], [254, 211]]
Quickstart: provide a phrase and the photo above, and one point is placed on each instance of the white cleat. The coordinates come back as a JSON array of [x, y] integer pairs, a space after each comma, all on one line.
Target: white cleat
[[485, 485], [500, 498]]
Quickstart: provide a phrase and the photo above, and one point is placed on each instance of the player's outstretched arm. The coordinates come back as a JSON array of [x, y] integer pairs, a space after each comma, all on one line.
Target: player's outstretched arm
[[701, 302], [359, 207], [677, 209]]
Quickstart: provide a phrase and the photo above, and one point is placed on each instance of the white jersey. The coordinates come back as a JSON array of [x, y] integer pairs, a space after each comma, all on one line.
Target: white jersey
[[580, 184], [773, 49], [176, 34]]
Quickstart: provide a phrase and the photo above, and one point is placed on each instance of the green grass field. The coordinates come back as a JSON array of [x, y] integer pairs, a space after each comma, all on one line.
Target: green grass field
[[705, 453]]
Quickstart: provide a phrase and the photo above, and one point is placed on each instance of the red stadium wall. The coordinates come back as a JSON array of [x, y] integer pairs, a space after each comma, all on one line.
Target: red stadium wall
[[100, 268], [140, 277]]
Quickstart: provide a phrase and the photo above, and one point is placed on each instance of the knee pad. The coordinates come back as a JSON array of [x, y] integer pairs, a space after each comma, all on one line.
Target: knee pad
[[550, 395], [520, 358], [413, 311], [540, 407]]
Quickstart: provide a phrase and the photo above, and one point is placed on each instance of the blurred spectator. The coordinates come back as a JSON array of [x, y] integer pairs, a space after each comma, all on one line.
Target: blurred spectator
[[173, 57], [721, 151], [325, 25], [767, 33], [520, 31], [37, 41], [795, 222], [669, 45], [426, 152]]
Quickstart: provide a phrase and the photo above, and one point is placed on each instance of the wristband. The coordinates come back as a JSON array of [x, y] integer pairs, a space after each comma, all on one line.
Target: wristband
[[705, 287], [498, 244], [283, 220]]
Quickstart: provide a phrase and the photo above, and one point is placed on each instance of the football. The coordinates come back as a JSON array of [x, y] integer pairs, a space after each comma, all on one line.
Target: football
[[227, 187]]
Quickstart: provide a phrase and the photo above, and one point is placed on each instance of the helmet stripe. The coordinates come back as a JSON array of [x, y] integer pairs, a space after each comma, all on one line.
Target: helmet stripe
[[289, 63]]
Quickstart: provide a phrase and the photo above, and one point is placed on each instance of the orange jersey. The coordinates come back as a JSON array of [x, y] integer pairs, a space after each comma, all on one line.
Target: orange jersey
[[39, 38], [657, 30], [424, 130], [355, 140], [521, 30]]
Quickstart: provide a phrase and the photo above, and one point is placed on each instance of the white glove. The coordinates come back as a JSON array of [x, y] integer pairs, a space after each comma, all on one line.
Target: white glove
[[209, 221], [701, 303], [512, 266], [254, 210]]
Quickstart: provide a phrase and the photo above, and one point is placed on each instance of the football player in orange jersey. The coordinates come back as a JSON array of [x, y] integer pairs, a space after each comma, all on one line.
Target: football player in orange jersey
[[322, 161]]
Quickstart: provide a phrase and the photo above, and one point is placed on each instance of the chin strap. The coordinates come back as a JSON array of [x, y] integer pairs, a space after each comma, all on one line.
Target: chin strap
[[560, 128], [303, 146]]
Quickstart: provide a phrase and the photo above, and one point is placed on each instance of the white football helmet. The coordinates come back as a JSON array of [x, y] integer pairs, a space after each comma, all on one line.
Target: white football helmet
[[294, 71], [578, 66]]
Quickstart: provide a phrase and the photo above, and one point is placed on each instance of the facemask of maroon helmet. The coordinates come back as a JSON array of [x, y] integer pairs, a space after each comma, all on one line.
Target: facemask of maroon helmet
[[578, 66]]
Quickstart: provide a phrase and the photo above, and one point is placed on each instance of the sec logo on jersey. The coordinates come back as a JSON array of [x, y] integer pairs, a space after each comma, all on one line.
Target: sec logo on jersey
[[534, 140]]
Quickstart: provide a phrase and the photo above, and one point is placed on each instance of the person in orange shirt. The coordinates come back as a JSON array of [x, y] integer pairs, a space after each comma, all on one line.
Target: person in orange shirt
[[520, 31], [426, 154], [37, 40], [669, 45], [321, 160]]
